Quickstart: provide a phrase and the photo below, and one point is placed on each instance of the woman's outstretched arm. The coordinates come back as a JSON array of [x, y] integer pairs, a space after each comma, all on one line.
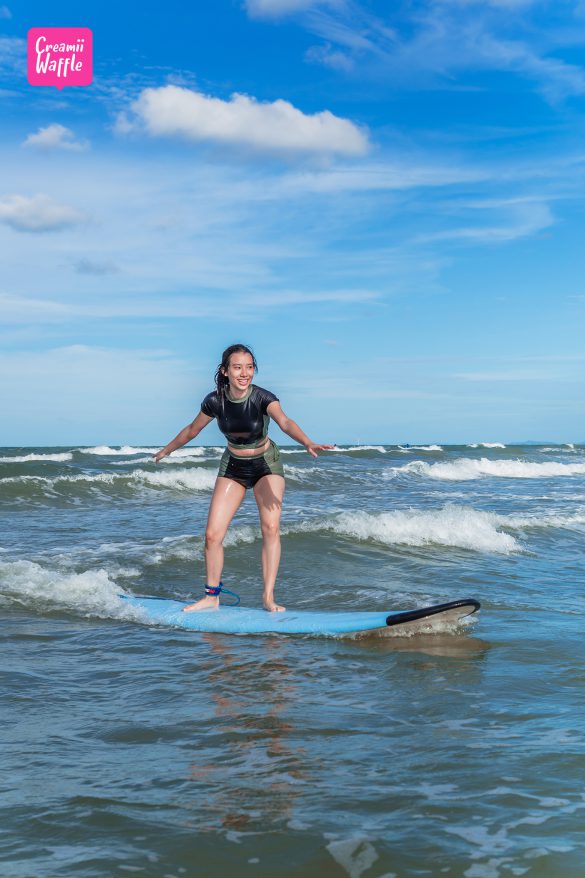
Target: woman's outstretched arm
[[292, 429], [187, 433]]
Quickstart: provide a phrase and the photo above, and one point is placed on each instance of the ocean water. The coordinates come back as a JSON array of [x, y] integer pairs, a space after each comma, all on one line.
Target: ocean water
[[129, 749]]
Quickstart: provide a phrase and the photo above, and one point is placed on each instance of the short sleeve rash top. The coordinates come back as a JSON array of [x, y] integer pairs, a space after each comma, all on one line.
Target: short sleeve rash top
[[244, 422]]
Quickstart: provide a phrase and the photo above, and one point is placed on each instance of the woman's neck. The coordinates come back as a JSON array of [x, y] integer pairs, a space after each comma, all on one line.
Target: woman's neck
[[237, 392]]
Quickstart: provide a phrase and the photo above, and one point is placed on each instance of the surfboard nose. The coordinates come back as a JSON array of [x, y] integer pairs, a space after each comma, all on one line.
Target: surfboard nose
[[453, 610]]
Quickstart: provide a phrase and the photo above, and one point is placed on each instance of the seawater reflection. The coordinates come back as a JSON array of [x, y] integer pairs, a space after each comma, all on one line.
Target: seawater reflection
[[246, 767]]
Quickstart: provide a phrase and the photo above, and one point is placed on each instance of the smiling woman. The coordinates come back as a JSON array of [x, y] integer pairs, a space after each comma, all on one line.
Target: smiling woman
[[251, 460]]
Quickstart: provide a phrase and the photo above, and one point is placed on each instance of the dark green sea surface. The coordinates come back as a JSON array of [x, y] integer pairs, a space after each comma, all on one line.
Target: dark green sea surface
[[128, 749]]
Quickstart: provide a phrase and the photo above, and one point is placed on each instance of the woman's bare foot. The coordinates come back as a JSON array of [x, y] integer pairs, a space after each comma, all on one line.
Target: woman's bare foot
[[271, 606], [206, 603]]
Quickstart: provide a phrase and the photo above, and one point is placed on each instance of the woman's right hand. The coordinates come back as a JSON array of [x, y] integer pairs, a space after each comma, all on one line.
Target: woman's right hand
[[159, 456]]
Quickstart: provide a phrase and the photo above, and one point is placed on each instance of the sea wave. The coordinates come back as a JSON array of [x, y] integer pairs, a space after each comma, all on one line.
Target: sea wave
[[57, 457], [345, 448], [561, 449], [194, 451], [107, 450], [90, 593], [486, 445], [455, 526], [166, 461], [26, 487], [463, 469], [298, 473], [129, 450]]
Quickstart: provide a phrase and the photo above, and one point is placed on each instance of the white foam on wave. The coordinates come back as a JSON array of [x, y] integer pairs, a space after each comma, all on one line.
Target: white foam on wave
[[456, 526], [297, 473], [560, 449], [129, 450], [427, 447], [58, 457], [463, 469], [342, 448], [187, 479], [487, 445], [574, 521], [182, 547], [190, 451], [166, 461], [107, 450], [189, 546], [134, 462], [90, 593], [453, 526]]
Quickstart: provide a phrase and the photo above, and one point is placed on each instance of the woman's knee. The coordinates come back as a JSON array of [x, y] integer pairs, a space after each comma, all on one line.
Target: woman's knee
[[213, 537], [270, 530]]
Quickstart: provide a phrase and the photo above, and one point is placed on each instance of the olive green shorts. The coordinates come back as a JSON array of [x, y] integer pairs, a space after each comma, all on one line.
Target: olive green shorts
[[249, 470]]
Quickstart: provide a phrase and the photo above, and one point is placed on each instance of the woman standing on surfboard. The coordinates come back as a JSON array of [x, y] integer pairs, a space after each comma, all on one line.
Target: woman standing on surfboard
[[251, 460]]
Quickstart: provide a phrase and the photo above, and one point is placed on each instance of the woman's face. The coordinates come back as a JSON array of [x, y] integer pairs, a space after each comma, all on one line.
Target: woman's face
[[240, 371]]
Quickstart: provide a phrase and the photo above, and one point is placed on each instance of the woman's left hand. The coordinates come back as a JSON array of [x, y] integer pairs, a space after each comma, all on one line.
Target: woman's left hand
[[313, 448]]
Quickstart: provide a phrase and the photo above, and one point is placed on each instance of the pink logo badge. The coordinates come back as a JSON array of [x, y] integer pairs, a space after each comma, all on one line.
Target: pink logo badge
[[60, 56]]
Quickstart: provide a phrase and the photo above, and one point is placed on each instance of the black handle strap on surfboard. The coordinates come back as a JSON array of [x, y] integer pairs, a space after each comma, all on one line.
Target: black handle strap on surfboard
[[470, 604]]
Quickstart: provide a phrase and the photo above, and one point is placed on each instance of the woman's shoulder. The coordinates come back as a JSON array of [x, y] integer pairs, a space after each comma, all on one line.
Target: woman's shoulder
[[210, 404], [262, 395]]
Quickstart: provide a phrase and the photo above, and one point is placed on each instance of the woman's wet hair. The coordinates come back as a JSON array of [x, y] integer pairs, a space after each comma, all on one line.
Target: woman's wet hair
[[221, 380]]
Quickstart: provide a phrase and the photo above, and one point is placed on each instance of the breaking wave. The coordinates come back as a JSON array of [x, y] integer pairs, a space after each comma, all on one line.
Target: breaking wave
[[463, 469], [454, 526], [91, 593], [58, 457], [129, 450], [342, 448], [30, 487]]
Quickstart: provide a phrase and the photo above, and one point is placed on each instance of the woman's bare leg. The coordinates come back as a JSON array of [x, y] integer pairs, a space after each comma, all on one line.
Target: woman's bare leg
[[226, 498], [269, 492]]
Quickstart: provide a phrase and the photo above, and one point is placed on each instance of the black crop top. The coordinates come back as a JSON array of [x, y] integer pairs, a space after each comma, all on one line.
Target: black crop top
[[244, 422]]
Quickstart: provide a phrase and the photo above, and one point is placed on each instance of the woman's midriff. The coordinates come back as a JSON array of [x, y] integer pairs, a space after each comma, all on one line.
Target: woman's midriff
[[249, 452]]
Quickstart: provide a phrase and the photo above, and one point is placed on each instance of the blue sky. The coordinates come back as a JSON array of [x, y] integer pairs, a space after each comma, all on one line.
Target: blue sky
[[384, 199]]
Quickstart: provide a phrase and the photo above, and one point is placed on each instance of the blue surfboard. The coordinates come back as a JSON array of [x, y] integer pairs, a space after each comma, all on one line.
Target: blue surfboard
[[244, 620]]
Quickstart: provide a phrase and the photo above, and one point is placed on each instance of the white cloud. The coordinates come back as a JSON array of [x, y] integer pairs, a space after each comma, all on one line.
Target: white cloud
[[13, 55], [24, 309], [329, 57], [279, 8], [505, 4], [38, 213], [557, 78], [20, 309], [397, 174], [439, 40], [523, 217], [518, 375], [244, 121], [56, 136]]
